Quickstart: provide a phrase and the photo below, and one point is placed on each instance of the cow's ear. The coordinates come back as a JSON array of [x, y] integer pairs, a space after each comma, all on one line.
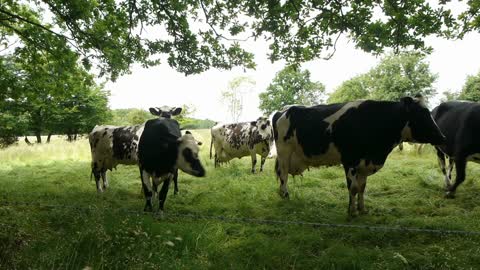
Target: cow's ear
[[253, 123], [155, 111], [176, 111]]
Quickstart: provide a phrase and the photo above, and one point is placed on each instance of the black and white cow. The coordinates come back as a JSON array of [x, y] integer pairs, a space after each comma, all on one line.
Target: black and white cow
[[113, 145], [459, 121], [162, 150], [242, 139], [359, 135]]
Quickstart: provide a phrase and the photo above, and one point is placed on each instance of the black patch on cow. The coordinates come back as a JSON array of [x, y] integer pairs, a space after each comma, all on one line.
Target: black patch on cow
[[104, 133], [123, 142], [158, 146], [194, 163], [96, 142], [368, 131], [459, 121]]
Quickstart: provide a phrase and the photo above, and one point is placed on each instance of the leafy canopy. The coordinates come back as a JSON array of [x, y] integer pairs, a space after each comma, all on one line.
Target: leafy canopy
[[396, 76], [290, 86], [471, 89], [195, 35]]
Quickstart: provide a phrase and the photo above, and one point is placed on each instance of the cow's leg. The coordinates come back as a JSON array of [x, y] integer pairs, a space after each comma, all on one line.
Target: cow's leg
[[175, 182], [262, 162], [281, 170], [97, 175], [155, 183], [254, 159], [353, 188], [162, 196], [147, 190], [362, 183], [451, 164], [460, 165], [441, 162], [105, 179]]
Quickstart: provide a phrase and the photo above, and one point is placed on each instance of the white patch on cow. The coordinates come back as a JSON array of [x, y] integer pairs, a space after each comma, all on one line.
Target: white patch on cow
[[291, 152], [187, 142], [335, 116]]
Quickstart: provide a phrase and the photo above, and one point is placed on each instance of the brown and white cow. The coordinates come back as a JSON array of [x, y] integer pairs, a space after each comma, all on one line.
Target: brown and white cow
[[113, 145], [242, 139]]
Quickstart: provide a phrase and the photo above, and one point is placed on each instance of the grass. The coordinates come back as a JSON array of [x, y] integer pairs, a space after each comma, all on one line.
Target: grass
[[408, 191]]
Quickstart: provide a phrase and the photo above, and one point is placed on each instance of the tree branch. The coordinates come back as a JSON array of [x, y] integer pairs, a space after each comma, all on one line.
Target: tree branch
[[32, 23]]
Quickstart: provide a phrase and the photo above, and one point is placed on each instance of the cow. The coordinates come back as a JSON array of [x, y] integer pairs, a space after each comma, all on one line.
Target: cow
[[460, 123], [113, 145], [358, 135], [162, 150], [242, 139]]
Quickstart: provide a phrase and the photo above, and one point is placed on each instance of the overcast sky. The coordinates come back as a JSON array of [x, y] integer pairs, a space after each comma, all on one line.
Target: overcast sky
[[162, 85]]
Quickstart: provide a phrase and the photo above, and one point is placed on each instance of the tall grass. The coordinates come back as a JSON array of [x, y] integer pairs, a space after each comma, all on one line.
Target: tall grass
[[408, 191]]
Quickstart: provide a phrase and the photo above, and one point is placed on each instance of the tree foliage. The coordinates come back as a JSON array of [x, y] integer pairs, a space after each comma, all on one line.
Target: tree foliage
[[471, 89], [405, 74], [353, 89], [48, 95], [290, 86], [192, 36], [396, 76]]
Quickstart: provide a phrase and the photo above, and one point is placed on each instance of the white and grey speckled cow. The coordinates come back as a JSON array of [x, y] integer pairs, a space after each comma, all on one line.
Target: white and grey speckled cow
[[242, 139]]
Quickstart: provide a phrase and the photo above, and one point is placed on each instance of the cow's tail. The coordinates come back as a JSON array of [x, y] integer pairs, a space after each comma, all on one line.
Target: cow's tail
[[211, 144], [275, 118]]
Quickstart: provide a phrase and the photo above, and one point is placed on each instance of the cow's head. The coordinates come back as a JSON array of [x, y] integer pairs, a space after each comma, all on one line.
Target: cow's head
[[188, 159], [421, 127], [165, 111], [262, 128]]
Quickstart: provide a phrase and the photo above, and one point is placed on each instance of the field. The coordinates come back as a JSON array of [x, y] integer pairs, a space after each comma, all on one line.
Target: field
[[70, 226]]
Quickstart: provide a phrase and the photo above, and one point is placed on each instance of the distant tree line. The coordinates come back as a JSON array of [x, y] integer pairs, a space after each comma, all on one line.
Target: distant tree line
[[43, 95], [128, 117]]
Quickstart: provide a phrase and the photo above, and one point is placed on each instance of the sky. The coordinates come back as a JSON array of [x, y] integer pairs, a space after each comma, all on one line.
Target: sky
[[162, 85]]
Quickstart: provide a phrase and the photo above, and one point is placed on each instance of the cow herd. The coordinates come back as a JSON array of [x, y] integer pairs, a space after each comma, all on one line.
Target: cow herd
[[358, 135]]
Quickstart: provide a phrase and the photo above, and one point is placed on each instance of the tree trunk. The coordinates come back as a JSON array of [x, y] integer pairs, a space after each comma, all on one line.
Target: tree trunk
[[49, 136], [39, 137], [28, 141]]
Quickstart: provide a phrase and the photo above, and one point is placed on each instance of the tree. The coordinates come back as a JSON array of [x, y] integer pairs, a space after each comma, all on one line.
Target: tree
[[405, 74], [138, 116], [471, 89], [49, 94], [233, 96], [353, 89], [192, 36], [449, 95], [290, 86]]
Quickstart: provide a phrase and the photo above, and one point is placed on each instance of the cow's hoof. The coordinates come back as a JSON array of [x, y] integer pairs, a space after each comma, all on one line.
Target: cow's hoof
[[447, 188], [450, 195]]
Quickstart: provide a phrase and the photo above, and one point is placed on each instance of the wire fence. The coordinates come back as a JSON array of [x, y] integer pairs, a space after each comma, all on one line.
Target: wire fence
[[248, 220]]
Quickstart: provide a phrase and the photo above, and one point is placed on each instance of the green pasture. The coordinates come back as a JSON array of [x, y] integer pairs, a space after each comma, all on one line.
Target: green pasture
[[86, 230]]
